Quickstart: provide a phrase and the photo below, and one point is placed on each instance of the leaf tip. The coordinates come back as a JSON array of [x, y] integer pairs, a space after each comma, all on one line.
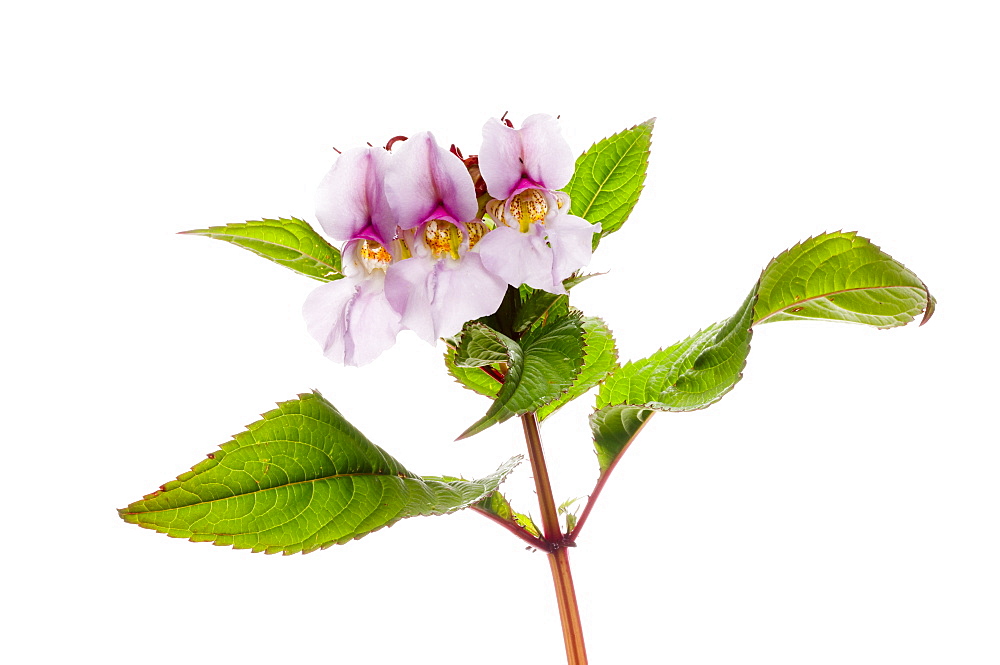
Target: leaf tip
[[929, 309]]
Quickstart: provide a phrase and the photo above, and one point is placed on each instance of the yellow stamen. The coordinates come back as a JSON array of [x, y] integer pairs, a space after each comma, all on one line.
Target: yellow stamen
[[373, 255], [528, 207], [442, 237], [476, 232], [522, 210], [495, 210]]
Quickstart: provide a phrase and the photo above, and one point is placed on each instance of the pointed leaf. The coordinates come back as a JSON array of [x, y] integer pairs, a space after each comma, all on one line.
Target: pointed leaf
[[288, 242], [842, 277], [541, 367], [600, 358], [300, 479], [835, 276], [609, 176]]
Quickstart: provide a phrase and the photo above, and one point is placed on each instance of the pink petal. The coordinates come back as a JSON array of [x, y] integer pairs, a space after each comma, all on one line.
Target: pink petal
[[436, 298], [500, 158], [571, 239], [352, 196], [548, 159], [351, 319], [520, 258], [426, 182]]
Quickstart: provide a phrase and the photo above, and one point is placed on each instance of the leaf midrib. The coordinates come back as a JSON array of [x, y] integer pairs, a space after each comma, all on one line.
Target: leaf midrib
[[268, 489], [833, 293], [228, 237], [600, 187]]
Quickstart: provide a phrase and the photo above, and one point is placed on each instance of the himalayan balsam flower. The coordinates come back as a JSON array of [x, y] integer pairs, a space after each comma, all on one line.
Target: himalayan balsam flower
[[536, 241], [350, 317], [443, 283]]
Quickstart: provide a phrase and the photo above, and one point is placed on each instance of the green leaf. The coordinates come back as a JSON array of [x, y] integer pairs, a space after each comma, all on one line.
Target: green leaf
[[600, 358], [608, 178], [690, 374], [835, 276], [841, 277], [481, 346], [541, 367], [289, 242], [473, 378], [540, 305], [537, 306], [498, 505], [567, 508], [614, 427], [300, 479]]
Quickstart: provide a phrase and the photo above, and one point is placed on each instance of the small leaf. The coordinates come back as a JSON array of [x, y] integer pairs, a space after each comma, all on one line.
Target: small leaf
[[498, 505], [300, 479], [289, 242], [835, 276], [539, 305], [481, 346], [541, 367], [567, 508], [473, 378], [600, 358], [608, 178]]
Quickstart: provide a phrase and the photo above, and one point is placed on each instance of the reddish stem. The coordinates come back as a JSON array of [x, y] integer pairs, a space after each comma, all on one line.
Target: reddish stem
[[515, 529], [601, 482], [492, 372], [562, 578]]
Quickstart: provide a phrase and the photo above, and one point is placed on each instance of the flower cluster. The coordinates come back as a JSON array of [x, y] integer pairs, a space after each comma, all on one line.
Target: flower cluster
[[419, 253]]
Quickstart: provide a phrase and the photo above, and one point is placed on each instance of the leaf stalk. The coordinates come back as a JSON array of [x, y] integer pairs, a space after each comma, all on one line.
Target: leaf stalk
[[601, 482]]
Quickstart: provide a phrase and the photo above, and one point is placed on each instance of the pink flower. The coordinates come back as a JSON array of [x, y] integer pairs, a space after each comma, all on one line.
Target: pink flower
[[350, 317], [443, 283], [536, 241], [351, 201]]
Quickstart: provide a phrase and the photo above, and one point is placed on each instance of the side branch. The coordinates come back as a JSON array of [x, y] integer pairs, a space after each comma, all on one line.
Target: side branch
[[601, 482]]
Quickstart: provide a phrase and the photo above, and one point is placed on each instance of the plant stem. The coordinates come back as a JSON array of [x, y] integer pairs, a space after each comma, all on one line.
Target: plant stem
[[562, 578]]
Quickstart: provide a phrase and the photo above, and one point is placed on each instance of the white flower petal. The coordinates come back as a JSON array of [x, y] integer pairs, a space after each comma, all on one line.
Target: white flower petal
[[520, 258], [437, 297], [351, 319], [548, 159], [500, 158], [571, 239], [424, 178], [352, 195]]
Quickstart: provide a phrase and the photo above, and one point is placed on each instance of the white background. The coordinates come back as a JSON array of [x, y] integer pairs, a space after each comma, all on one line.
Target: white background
[[840, 506]]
